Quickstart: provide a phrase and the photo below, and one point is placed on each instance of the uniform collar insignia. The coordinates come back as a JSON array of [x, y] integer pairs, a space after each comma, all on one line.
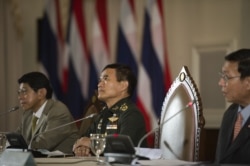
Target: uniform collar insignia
[[124, 107], [115, 108]]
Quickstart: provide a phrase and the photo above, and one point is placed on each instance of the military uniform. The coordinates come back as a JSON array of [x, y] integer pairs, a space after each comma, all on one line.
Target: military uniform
[[122, 118]]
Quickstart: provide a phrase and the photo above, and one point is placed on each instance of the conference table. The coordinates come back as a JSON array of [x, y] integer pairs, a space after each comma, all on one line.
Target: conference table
[[91, 161], [19, 157], [23, 159]]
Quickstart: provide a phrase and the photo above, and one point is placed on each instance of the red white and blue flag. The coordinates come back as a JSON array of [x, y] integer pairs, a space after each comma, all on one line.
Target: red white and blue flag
[[65, 59], [127, 42], [99, 49], [52, 47], [154, 55], [152, 66], [77, 92], [73, 65]]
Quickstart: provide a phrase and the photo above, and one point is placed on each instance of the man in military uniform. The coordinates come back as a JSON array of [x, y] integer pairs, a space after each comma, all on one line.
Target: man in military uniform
[[120, 115]]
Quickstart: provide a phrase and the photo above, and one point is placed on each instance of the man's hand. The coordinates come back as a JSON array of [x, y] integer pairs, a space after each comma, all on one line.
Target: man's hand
[[82, 147]]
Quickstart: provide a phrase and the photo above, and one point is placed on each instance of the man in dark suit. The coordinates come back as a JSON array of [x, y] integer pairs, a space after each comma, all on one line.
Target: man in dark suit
[[234, 136], [35, 95], [119, 115]]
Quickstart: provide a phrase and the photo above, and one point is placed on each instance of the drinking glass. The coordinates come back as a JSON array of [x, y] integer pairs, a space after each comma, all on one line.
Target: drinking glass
[[98, 143], [2, 142]]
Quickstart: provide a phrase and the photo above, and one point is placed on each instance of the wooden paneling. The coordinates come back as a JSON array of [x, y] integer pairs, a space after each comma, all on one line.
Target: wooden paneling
[[208, 144]]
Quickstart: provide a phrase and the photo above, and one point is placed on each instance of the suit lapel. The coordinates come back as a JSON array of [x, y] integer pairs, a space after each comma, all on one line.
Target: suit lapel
[[240, 140], [227, 131], [230, 128], [27, 132], [41, 122], [43, 118]]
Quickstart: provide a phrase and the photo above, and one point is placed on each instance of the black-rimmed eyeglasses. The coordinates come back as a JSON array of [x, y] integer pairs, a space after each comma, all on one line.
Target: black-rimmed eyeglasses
[[226, 78]]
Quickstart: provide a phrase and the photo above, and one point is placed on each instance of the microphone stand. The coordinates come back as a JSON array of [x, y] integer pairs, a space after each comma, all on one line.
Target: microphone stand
[[10, 110], [87, 117]]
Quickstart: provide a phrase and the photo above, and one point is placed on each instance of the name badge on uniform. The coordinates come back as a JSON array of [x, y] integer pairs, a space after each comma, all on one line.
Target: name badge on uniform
[[112, 126]]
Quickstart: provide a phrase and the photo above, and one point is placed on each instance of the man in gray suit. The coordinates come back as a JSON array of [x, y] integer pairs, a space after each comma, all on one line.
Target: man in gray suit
[[42, 115], [234, 137]]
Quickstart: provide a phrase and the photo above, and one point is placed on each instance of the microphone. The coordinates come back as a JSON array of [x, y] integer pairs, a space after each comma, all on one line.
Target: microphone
[[10, 110], [87, 117], [13, 109], [191, 103]]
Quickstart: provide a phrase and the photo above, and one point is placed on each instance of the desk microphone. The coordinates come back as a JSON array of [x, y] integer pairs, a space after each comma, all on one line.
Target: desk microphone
[[164, 122], [10, 110], [87, 117]]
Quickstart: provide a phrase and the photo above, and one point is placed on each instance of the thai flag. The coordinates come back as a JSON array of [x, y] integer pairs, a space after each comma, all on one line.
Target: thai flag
[[99, 49], [100, 52], [127, 48], [77, 93], [52, 47], [154, 55], [151, 67], [65, 58], [71, 64]]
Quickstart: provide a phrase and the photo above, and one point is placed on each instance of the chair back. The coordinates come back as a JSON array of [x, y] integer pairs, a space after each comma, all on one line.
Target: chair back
[[181, 119]]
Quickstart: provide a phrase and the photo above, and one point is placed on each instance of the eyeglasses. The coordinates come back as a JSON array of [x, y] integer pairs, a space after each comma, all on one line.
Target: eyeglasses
[[22, 92], [226, 78]]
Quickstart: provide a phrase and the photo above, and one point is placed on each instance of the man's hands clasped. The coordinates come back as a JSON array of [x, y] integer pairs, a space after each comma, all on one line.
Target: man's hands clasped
[[82, 147]]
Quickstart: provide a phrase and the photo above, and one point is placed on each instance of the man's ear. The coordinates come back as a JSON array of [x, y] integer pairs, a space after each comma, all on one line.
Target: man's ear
[[124, 85], [42, 93], [247, 79]]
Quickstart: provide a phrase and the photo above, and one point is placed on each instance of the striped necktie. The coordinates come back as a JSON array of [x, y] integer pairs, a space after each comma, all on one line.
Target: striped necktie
[[237, 125], [34, 121]]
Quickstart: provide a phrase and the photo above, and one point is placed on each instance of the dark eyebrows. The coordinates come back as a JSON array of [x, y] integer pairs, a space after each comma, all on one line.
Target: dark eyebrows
[[104, 77]]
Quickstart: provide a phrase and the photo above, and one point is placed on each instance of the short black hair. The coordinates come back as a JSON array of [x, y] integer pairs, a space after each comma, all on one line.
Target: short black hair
[[36, 81], [124, 73], [242, 56]]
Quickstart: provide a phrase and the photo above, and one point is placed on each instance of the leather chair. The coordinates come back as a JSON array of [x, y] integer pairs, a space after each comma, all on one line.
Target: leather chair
[[181, 120]]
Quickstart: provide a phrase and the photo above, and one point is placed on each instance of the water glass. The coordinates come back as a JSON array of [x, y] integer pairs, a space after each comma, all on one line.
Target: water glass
[[98, 143], [2, 142]]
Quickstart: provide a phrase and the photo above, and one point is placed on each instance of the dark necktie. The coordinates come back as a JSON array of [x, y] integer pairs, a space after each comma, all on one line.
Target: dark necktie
[[237, 125], [34, 120]]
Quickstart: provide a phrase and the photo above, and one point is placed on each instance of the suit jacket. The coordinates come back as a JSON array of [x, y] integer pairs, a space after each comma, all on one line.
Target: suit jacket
[[237, 151], [55, 114]]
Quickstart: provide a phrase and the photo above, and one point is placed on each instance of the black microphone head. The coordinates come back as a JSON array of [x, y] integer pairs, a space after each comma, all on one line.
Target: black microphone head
[[14, 109]]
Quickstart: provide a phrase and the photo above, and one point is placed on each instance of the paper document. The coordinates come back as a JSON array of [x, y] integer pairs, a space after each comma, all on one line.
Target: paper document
[[55, 153], [149, 152]]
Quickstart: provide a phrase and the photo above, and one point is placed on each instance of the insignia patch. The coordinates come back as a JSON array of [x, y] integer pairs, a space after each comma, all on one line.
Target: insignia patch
[[99, 126], [124, 107], [113, 118], [115, 108]]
